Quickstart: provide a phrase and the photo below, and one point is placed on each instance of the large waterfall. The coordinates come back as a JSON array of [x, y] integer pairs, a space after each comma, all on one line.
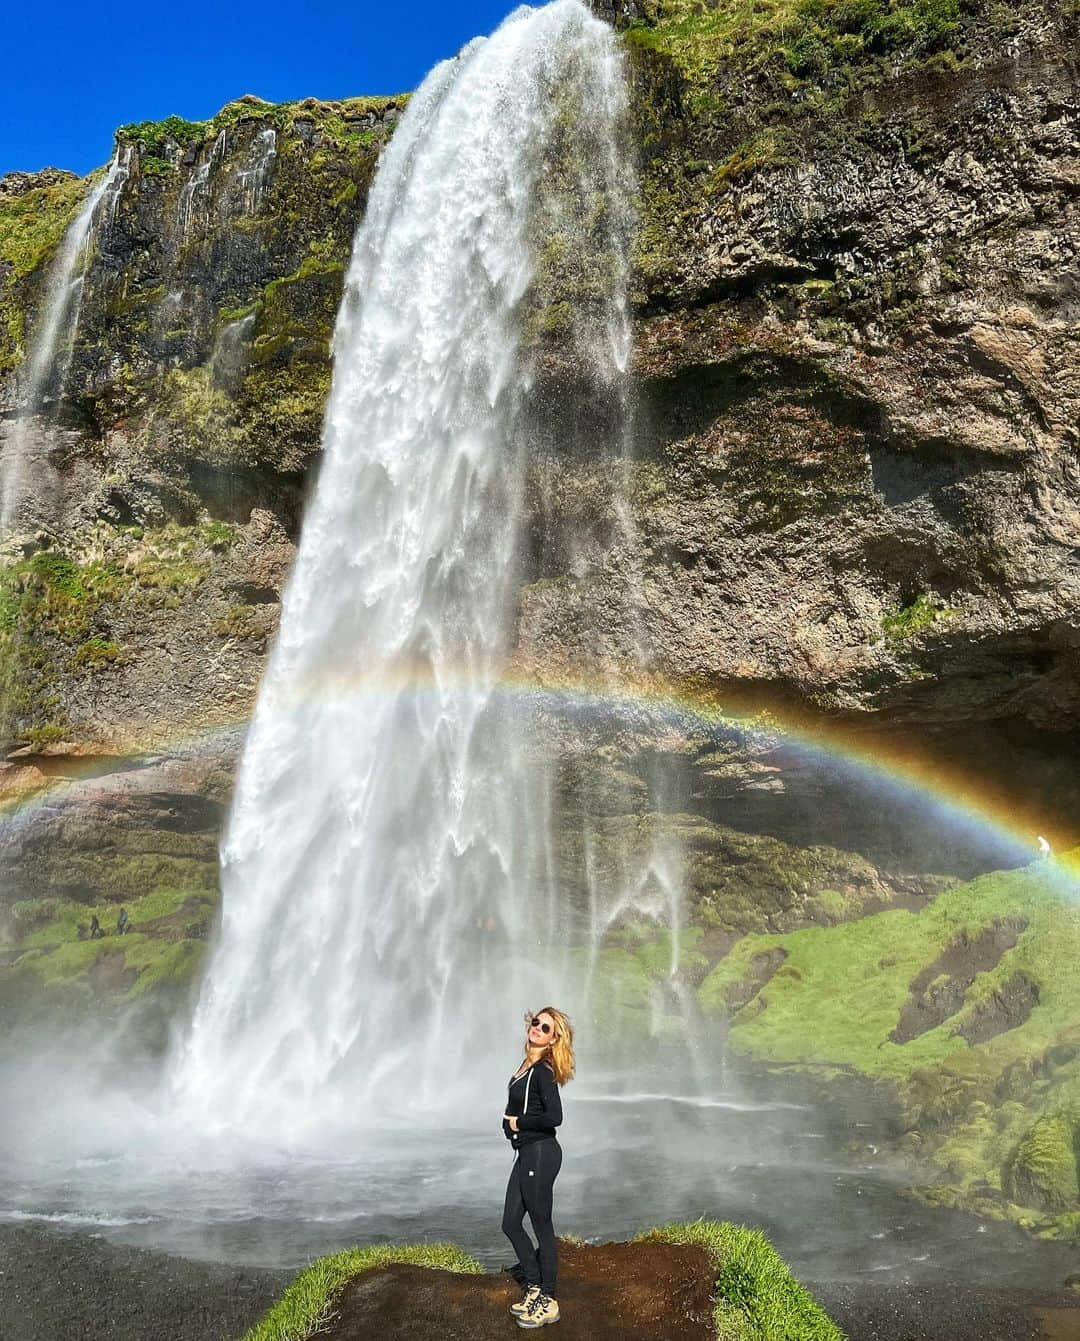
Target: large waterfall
[[388, 899]]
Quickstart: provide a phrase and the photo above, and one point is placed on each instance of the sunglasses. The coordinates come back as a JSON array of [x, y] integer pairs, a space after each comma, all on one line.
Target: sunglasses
[[536, 1023]]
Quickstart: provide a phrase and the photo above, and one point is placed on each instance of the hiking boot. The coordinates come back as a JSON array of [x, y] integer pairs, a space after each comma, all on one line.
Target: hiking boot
[[541, 1310], [522, 1304]]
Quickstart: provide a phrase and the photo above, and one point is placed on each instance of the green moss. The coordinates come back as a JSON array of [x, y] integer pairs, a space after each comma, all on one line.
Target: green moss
[[64, 915], [769, 147], [161, 964], [854, 979], [25, 916], [756, 1298], [153, 137], [972, 1109], [237, 622], [56, 613], [95, 653], [32, 224], [345, 196], [832, 904], [60, 971], [342, 122], [219, 535], [1042, 1170], [795, 46], [726, 90], [909, 620], [46, 733]]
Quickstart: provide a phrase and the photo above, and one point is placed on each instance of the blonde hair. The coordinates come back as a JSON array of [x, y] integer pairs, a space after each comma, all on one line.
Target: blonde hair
[[560, 1051]]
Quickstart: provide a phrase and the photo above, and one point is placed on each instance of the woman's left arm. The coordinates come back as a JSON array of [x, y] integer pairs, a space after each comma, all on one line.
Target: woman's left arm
[[549, 1097]]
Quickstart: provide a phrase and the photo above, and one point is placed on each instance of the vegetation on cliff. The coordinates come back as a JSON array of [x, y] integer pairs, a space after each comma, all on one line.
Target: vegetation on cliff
[[965, 1014], [51, 969], [35, 211], [63, 618]]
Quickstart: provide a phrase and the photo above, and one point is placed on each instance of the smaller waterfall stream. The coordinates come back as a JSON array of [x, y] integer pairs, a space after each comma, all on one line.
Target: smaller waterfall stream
[[49, 354]]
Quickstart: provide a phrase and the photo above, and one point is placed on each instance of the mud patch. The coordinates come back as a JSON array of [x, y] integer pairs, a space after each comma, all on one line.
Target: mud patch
[[606, 1292], [938, 991], [1006, 1009], [1058, 1324]]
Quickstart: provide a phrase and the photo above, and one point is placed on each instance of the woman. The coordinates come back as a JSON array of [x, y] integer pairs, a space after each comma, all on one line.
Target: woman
[[533, 1111]]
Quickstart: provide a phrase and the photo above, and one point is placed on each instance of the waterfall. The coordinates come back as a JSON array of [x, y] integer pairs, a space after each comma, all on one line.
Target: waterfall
[[49, 355], [386, 891], [253, 175], [192, 207]]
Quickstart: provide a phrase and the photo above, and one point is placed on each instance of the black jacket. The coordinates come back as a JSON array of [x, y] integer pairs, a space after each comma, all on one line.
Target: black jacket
[[533, 1098]]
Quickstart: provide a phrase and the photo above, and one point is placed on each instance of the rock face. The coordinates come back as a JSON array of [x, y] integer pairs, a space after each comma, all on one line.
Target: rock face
[[857, 486], [858, 352]]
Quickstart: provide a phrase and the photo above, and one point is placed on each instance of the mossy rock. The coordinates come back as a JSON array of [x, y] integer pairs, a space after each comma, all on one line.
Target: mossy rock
[[1042, 1170]]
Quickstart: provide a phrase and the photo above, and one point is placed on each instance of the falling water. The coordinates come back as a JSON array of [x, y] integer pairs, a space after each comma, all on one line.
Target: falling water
[[194, 197], [244, 190], [248, 187], [383, 869], [49, 356]]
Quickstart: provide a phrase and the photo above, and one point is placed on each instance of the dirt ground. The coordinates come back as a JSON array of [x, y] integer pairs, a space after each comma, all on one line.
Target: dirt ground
[[606, 1292]]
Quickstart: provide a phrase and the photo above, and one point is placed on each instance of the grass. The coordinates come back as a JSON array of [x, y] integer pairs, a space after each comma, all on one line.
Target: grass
[[32, 224], [840, 991], [57, 611], [757, 1298], [31, 228], [343, 121], [797, 47], [307, 1305], [990, 1119], [56, 965], [61, 919]]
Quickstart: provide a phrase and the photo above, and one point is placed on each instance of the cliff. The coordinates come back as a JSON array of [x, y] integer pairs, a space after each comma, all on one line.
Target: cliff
[[855, 488]]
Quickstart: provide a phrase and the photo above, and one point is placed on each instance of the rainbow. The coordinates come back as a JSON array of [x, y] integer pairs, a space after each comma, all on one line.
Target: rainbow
[[979, 805]]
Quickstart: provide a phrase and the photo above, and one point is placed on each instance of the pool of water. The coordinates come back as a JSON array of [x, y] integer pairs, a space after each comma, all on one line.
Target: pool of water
[[630, 1162]]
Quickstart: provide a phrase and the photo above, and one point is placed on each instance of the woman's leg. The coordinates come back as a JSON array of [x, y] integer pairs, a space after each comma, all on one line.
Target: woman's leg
[[514, 1228], [539, 1170]]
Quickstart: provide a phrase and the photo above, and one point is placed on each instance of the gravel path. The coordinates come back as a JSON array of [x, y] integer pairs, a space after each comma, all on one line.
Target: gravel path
[[928, 1313], [74, 1287]]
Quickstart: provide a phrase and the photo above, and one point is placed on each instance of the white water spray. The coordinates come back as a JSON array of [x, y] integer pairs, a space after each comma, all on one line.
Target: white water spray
[[49, 356], [383, 886]]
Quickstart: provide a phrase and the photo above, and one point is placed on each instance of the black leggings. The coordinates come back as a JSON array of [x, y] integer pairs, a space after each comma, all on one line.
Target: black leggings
[[532, 1179]]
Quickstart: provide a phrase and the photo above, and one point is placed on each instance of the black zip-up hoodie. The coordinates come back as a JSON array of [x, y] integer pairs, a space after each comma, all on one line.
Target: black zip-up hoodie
[[533, 1098]]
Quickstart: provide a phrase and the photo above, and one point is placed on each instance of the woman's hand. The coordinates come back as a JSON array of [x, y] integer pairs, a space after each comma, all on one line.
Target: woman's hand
[[512, 1121]]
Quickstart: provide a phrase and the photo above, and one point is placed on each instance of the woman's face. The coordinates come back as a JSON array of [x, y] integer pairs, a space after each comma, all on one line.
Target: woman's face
[[536, 1035]]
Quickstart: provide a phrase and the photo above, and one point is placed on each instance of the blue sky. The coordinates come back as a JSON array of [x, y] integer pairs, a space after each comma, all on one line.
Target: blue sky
[[74, 72]]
